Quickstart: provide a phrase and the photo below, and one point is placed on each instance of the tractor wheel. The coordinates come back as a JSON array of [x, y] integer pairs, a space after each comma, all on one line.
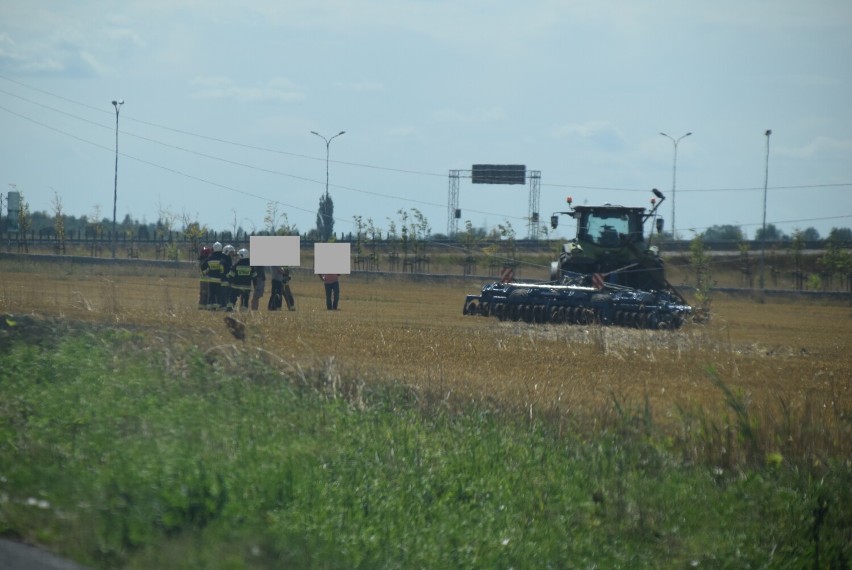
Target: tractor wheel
[[470, 308], [499, 311]]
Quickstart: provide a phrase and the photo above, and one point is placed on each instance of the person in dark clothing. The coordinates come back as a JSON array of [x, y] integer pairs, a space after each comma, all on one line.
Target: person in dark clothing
[[216, 268], [259, 287], [241, 277], [204, 284], [225, 291], [332, 290], [281, 290]]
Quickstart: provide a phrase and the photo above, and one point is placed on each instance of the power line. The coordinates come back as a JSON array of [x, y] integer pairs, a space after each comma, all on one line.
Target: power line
[[345, 163], [312, 181], [204, 137], [230, 188]]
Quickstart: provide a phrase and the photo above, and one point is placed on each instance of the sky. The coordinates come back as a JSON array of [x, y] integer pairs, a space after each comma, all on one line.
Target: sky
[[220, 99]]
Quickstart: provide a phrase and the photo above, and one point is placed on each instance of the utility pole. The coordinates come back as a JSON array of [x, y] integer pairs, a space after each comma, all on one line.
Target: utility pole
[[327, 145], [117, 105], [674, 178], [763, 237]]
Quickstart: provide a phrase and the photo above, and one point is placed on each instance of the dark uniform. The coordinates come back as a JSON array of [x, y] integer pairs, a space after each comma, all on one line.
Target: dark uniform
[[242, 276], [216, 269], [204, 284]]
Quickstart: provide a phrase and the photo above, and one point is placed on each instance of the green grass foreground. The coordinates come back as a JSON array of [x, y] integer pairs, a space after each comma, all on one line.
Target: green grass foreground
[[136, 450]]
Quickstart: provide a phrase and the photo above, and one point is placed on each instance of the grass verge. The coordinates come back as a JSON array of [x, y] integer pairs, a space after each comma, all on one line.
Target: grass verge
[[131, 449]]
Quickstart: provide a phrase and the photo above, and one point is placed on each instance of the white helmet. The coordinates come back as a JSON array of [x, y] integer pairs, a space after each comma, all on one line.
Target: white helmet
[[228, 249], [243, 253], [217, 246]]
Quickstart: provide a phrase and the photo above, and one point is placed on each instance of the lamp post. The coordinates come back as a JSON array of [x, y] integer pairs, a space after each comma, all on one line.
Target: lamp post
[[763, 236], [117, 105], [674, 177], [327, 144]]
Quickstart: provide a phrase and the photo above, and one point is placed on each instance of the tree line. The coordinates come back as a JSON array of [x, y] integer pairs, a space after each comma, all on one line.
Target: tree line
[[411, 228]]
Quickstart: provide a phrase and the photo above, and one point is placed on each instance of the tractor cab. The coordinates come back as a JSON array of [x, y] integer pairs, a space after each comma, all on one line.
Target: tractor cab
[[607, 226], [610, 242]]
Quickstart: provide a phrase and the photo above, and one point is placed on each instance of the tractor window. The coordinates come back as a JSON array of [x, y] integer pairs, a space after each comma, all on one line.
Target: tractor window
[[604, 229]]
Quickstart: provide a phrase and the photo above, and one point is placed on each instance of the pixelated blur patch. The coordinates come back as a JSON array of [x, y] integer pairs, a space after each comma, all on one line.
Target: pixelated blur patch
[[332, 258], [274, 250]]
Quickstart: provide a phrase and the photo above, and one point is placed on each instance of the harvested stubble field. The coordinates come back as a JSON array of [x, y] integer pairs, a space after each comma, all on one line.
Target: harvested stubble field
[[137, 432], [787, 365]]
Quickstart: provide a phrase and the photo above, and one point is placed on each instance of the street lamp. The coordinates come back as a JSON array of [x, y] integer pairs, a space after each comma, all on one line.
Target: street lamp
[[117, 105], [674, 177], [765, 185], [327, 144]]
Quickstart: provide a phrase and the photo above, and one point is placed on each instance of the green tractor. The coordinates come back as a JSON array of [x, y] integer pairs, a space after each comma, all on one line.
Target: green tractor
[[610, 247]]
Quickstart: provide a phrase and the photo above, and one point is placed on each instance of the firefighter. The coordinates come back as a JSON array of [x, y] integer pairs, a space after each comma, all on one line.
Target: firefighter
[[242, 276], [229, 254], [204, 285], [215, 269]]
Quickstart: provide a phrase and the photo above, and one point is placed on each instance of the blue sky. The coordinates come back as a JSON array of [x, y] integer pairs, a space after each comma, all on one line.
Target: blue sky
[[220, 98]]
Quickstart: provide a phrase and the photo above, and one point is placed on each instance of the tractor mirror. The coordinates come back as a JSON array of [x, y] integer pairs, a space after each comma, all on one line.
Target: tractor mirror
[[659, 225], [554, 221], [657, 193]]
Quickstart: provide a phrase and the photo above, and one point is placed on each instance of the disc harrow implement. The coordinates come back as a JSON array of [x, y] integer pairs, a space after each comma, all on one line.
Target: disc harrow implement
[[569, 303]]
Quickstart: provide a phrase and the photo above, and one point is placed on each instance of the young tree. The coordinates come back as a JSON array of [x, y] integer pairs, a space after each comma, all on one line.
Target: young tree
[[325, 218], [373, 231], [797, 245], [420, 231], [165, 225], [468, 240], [275, 222], [507, 232], [403, 225], [95, 223], [375, 234], [359, 235], [745, 267], [193, 231], [836, 260], [24, 224], [58, 222], [700, 261]]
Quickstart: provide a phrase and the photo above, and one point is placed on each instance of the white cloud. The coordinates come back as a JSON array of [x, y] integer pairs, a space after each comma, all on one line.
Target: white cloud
[[91, 61], [479, 115], [277, 89], [818, 146], [602, 133], [125, 35]]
